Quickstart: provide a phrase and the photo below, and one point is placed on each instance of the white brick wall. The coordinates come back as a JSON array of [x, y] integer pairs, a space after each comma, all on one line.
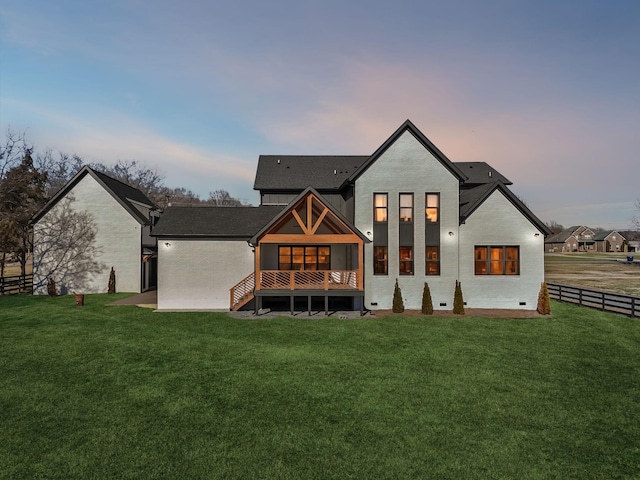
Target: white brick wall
[[117, 237], [408, 167], [197, 274]]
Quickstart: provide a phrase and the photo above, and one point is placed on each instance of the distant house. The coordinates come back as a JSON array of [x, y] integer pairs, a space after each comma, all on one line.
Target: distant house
[[609, 241], [92, 224], [337, 231], [574, 239]]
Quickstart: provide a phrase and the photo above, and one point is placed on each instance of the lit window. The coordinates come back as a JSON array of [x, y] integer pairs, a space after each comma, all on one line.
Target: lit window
[[497, 260], [406, 207], [406, 260], [432, 261], [304, 258], [380, 261], [380, 207], [432, 207]]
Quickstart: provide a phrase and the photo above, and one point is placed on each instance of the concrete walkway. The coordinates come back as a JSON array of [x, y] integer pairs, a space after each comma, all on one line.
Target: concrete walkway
[[147, 299]]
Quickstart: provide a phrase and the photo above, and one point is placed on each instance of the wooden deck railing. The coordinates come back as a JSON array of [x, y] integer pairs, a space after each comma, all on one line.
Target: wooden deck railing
[[308, 280], [242, 289]]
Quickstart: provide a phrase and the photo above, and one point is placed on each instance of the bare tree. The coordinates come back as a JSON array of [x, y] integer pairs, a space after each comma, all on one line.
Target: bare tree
[[636, 218], [146, 179], [65, 249], [222, 198], [60, 169], [554, 226]]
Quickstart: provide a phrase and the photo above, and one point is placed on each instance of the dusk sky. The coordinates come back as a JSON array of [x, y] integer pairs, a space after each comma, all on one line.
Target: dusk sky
[[547, 92]]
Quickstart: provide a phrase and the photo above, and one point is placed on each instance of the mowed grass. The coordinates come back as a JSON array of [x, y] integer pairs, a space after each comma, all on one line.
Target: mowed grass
[[122, 392], [597, 271]]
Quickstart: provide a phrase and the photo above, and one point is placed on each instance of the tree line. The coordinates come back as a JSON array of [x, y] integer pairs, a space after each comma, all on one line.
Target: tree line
[[29, 178]]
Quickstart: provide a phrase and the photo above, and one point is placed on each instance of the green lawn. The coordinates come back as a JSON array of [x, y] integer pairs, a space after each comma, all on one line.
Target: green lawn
[[122, 392]]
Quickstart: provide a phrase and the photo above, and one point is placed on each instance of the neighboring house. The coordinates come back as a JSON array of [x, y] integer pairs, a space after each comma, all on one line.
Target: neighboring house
[[92, 224], [609, 241], [335, 232], [573, 239]]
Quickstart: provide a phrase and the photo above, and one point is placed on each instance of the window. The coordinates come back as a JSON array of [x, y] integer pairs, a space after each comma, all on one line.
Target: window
[[406, 260], [432, 207], [406, 207], [380, 261], [380, 207], [304, 258], [497, 260], [432, 256]]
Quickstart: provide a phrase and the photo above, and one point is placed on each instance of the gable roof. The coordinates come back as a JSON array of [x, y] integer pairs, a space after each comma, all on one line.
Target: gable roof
[[297, 172], [294, 202], [226, 222], [420, 137], [124, 194], [602, 235], [472, 198]]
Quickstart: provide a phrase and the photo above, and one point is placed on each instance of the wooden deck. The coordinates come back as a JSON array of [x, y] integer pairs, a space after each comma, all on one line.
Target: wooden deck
[[340, 282]]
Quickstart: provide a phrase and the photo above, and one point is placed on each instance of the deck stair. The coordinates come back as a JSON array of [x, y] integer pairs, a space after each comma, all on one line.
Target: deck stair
[[242, 293]]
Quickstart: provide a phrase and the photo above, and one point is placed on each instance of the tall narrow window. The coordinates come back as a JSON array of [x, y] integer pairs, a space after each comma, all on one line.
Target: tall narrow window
[[406, 260], [496, 260], [432, 233], [432, 207], [380, 234], [380, 261], [432, 256], [380, 207], [406, 207]]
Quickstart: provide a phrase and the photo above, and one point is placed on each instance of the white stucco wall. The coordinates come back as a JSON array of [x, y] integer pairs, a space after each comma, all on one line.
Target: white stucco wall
[[497, 222], [197, 274], [117, 239], [407, 167]]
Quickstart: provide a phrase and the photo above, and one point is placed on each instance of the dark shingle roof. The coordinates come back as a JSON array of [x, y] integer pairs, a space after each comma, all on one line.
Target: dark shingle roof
[[480, 172], [236, 222], [297, 172]]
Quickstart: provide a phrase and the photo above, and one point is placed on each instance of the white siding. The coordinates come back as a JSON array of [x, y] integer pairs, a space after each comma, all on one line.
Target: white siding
[[117, 239], [197, 274], [497, 222], [407, 167]]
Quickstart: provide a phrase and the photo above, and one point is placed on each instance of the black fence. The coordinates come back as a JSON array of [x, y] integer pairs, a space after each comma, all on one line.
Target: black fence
[[16, 284], [605, 301]]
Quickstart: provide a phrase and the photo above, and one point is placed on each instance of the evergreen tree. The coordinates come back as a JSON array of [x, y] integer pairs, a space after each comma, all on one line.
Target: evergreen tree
[[112, 282], [398, 304], [427, 303], [458, 302]]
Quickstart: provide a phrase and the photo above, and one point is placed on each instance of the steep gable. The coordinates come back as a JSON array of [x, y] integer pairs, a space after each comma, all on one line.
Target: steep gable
[[126, 195], [472, 198], [407, 126]]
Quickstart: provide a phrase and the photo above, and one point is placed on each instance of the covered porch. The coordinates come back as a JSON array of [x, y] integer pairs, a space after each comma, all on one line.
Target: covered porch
[[311, 251]]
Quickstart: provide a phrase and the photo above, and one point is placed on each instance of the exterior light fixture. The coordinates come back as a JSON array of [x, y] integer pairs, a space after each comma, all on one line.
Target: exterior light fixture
[[451, 234], [537, 234], [167, 244]]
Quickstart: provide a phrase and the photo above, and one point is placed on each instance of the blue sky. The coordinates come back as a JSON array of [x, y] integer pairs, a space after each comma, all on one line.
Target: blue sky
[[547, 92]]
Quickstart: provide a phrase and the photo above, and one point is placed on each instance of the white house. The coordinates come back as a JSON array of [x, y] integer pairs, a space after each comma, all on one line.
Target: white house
[[94, 223], [335, 232]]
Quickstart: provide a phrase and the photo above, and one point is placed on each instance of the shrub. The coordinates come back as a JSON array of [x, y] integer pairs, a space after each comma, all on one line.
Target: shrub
[[458, 302], [544, 302], [112, 281], [398, 304], [427, 303]]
